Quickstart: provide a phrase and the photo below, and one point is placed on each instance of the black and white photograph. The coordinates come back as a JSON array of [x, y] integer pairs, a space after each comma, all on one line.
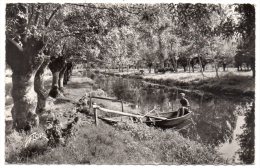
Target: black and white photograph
[[129, 83]]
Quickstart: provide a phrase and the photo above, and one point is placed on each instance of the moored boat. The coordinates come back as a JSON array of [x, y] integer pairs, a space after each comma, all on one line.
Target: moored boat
[[164, 120], [171, 119]]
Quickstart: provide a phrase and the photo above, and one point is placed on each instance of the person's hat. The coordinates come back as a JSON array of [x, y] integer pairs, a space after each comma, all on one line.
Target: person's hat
[[183, 94]]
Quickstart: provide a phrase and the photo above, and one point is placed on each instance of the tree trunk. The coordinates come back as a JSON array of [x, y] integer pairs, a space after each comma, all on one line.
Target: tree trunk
[[174, 64], [122, 68], [54, 92], [161, 54], [68, 73], [66, 77], [25, 99], [176, 68], [24, 63], [42, 93], [61, 78], [201, 68], [189, 65], [56, 65], [216, 69]]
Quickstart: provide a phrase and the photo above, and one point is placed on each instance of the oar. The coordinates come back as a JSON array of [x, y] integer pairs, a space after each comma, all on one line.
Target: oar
[[160, 118], [149, 112]]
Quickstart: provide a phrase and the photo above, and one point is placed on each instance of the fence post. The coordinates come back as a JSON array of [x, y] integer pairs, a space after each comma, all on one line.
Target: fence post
[[90, 102], [95, 114]]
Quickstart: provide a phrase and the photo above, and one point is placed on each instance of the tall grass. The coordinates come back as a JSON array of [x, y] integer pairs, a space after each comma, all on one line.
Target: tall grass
[[124, 144]]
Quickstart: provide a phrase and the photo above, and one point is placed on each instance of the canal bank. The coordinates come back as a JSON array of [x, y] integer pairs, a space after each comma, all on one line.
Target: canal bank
[[125, 144], [229, 84]]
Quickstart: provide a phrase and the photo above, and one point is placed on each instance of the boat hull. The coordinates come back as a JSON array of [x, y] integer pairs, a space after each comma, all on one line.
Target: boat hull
[[172, 120]]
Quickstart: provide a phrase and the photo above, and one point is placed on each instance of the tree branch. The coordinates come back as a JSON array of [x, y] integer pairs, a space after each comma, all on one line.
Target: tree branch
[[31, 16], [52, 15], [63, 48], [37, 15], [13, 53], [14, 44], [62, 37]]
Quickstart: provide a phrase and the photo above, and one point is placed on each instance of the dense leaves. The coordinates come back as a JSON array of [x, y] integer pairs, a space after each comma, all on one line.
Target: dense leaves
[[147, 33]]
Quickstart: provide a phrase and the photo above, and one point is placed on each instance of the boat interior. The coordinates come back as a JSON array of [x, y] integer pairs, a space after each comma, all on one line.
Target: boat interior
[[174, 114]]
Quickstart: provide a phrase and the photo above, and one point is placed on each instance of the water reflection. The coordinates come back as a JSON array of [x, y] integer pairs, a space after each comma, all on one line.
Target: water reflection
[[247, 138], [214, 120]]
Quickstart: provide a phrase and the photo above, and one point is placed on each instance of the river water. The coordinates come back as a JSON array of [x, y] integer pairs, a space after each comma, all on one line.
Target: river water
[[216, 120]]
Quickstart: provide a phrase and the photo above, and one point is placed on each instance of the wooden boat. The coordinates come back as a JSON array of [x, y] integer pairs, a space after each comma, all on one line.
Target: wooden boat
[[171, 119], [165, 120]]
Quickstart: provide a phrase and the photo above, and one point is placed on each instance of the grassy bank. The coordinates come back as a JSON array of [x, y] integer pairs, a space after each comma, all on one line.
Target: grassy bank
[[126, 143], [230, 83]]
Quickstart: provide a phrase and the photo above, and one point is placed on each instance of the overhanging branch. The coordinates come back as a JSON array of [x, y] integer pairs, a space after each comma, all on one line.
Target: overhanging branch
[[52, 15]]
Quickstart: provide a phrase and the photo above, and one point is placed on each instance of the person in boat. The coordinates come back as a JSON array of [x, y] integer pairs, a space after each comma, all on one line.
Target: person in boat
[[185, 105]]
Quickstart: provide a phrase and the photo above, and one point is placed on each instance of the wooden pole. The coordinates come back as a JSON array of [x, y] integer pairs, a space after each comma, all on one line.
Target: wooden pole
[[105, 98], [95, 115], [127, 114], [90, 103]]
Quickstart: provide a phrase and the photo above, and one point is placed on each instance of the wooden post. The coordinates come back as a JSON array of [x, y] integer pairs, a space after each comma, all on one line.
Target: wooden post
[[90, 103], [95, 115], [122, 105]]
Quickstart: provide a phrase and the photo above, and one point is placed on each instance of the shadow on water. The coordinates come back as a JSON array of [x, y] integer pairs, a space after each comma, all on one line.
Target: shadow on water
[[215, 118], [247, 138]]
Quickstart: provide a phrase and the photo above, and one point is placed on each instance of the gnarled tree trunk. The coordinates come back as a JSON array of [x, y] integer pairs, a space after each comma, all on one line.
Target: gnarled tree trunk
[[42, 93], [24, 63], [68, 73], [61, 78], [56, 65], [24, 99]]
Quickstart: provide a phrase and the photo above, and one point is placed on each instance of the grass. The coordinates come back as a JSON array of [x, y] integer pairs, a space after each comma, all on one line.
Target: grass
[[229, 84], [125, 143]]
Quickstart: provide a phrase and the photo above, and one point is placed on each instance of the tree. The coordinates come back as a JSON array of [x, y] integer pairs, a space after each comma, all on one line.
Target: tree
[[246, 29], [26, 30], [148, 48], [32, 29]]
